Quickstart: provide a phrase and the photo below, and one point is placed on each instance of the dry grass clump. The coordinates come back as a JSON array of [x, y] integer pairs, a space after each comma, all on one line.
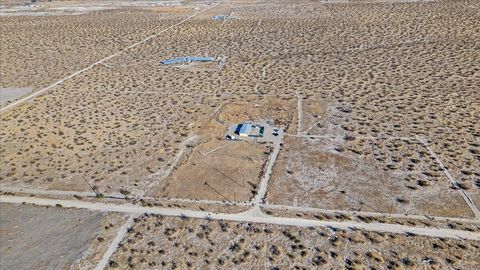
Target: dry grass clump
[[160, 242]]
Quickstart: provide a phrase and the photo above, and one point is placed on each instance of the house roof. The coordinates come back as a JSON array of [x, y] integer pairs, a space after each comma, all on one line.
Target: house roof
[[245, 129]]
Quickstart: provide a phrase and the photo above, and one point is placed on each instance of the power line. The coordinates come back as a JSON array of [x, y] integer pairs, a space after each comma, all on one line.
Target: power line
[[90, 185], [208, 185], [228, 177]]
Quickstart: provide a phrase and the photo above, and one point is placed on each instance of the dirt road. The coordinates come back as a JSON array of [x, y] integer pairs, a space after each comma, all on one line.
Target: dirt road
[[101, 61], [247, 216]]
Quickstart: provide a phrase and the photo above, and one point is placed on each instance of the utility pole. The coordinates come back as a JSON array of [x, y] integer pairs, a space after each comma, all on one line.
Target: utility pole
[[96, 193]]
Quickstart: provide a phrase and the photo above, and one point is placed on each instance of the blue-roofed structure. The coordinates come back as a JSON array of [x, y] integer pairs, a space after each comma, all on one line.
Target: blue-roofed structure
[[187, 59], [220, 17], [243, 130], [251, 131], [237, 129]]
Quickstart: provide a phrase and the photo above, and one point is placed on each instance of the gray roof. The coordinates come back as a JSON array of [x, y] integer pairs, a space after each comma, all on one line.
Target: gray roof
[[187, 59]]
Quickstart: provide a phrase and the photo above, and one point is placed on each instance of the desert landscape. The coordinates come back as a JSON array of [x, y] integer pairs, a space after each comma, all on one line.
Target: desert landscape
[[401, 179], [159, 242], [244, 134], [54, 238]]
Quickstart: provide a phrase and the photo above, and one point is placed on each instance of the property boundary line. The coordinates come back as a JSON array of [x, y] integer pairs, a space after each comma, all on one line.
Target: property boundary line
[[452, 180], [299, 115]]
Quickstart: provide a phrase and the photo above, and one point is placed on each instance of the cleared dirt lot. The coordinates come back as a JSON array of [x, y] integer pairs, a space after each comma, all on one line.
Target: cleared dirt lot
[[390, 176], [229, 173], [163, 242], [215, 169], [324, 117], [278, 109], [45, 238]]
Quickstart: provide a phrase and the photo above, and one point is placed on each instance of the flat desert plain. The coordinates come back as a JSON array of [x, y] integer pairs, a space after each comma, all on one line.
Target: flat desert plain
[[118, 159]]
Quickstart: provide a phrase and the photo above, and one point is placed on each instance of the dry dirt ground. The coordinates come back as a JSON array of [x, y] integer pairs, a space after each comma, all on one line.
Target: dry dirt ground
[[376, 175], [215, 169], [35, 52], [175, 243], [119, 123], [8, 95], [230, 173], [364, 69], [53, 238]]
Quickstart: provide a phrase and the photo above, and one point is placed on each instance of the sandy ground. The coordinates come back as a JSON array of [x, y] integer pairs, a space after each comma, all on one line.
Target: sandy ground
[[215, 169], [231, 173], [80, 7], [8, 95], [384, 178], [95, 136], [110, 226], [36, 54], [45, 238], [160, 242], [373, 69]]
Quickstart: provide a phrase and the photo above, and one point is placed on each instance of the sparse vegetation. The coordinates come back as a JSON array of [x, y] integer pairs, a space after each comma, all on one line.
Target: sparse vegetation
[[376, 79], [225, 245]]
